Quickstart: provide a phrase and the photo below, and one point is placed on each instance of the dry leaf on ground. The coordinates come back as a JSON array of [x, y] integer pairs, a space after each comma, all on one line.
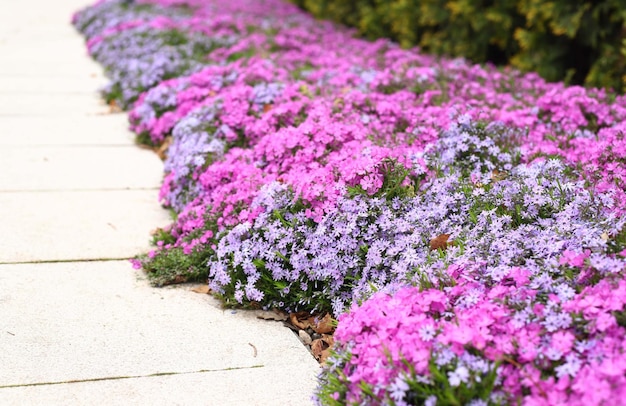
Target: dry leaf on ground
[[202, 289], [114, 108], [178, 279], [161, 151], [497, 175], [274, 314], [324, 325], [441, 241], [321, 347], [302, 320]]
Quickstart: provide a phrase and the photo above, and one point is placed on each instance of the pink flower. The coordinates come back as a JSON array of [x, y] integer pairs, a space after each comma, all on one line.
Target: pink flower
[[574, 259], [614, 366], [562, 341], [371, 183], [605, 321], [520, 276]]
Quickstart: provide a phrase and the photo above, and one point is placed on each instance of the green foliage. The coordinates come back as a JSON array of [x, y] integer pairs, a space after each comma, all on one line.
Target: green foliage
[[397, 182], [580, 42], [143, 138], [478, 387], [623, 56], [175, 264], [617, 243], [620, 317], [576, 41], [174, 37]]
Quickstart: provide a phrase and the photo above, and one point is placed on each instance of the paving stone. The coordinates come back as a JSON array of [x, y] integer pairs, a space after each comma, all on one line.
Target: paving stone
[[106, 129], [10, 85], [99, 320], [59, 168], [52, 104], [45, 226], [266, 386]]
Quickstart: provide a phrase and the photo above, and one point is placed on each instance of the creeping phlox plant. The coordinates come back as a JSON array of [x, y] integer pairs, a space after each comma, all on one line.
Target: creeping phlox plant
[[526, 300], [465, 224]]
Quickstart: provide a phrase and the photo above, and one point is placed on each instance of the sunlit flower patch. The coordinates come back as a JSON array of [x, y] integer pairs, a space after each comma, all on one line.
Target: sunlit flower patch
[[465, 224]]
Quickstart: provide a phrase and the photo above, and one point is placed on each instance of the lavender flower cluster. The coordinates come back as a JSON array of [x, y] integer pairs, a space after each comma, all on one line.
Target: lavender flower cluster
[[105, 15], [140, 58], [195, 145], [139, 47], [525, 218]]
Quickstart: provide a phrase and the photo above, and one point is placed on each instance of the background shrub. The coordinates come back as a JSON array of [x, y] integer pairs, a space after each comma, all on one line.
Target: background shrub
[[580, 42]]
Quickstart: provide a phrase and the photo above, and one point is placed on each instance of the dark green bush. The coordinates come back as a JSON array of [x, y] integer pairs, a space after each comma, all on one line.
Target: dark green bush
[[579, 42]]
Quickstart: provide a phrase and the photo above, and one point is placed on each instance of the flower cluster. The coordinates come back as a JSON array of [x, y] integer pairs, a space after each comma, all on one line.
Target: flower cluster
[[138, 58], [464, 223], [478, 344], [528, 218], [112, 15]]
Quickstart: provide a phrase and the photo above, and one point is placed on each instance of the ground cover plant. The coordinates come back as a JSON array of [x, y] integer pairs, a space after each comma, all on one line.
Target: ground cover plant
[[464, 224]]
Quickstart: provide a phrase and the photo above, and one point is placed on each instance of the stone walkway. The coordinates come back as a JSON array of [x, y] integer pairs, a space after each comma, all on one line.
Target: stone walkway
[[77, 198]]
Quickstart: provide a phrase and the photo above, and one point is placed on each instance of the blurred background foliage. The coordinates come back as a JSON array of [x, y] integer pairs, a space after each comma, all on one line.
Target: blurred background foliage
[[579, 42]]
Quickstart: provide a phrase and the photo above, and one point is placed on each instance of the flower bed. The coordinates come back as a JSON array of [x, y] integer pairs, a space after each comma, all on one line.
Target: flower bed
[[464, 223]]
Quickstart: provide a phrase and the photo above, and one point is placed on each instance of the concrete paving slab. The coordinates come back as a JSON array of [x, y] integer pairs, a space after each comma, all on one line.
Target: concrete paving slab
[[58, 11], [62, 39], [53, 226], [18, 32], [43, 84], [52, 46], [75, 67], [52, 104], [107, 129], [78, 168], [53, 50], [94, 320], [250, 387], [31, 18]]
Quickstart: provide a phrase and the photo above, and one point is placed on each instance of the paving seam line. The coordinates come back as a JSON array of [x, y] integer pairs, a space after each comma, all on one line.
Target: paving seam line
[[46, 92], [70, 146], [116, 378], [38, 115], [62, 261], [121, 189]]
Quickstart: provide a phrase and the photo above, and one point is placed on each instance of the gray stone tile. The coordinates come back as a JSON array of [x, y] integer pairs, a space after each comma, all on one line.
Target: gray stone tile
[[58, 168], [45, 226], [106, 129], [265, 386], [101, 320]]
